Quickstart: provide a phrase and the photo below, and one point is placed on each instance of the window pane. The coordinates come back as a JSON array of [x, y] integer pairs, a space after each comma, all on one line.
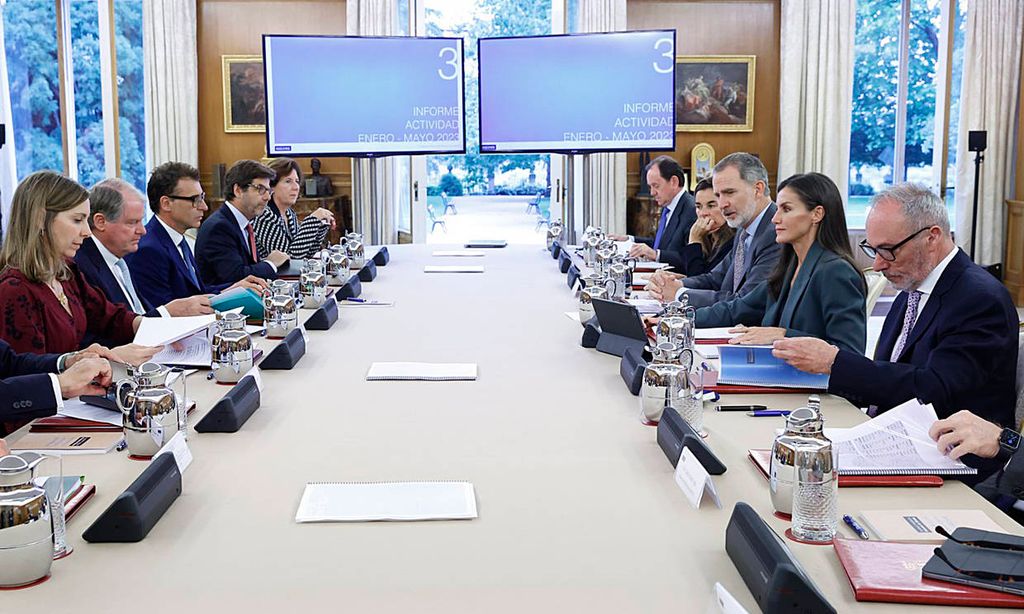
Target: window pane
[[873, 126], [85, 50], [925, 30], [956, 76], [130, 93], [30, 37]]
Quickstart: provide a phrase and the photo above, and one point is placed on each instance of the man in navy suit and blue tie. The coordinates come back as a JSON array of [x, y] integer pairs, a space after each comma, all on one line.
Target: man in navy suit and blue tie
[[226, 245], [667, 182], [116, 210], [950, 338], [164, 267], [740, 182]]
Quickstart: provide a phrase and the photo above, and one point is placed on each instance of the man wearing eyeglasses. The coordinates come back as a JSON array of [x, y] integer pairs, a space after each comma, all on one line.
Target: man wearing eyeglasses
[[226, 245], [950, 338], [164, 267]]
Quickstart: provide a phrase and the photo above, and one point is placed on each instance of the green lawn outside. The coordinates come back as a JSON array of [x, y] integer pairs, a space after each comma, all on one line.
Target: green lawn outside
[[435, 203]]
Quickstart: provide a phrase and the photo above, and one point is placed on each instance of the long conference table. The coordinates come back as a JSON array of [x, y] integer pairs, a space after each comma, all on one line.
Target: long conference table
[[578, 508]]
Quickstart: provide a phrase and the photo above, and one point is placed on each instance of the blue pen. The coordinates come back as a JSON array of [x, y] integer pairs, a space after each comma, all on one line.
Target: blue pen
[[859, 530], [766, 413], [356, 300]]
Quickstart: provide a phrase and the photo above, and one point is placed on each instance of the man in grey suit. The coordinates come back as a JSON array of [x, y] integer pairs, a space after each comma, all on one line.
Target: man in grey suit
[[740, 181]]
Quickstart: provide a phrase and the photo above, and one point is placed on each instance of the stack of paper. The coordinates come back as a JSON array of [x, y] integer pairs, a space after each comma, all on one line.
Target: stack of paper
[[195, 352], [423, 371], [464, 253], [452, 269], [702, 334], [355, 502], [164, 331]]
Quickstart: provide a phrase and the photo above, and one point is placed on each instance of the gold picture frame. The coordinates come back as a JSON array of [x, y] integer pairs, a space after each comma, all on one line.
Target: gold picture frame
[[244, 95], [715, 93]]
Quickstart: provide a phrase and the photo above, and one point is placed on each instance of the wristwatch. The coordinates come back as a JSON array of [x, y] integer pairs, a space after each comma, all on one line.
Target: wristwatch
[[1009, 440]]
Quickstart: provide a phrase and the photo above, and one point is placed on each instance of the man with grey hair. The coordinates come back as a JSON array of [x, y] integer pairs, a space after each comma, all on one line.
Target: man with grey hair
[[740, 182], [950, 338], [116, 209]]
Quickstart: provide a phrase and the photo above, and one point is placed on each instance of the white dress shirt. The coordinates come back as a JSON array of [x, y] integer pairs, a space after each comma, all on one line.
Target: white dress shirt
[[176, 238], [111, 261], [927, 286], [243, 223]]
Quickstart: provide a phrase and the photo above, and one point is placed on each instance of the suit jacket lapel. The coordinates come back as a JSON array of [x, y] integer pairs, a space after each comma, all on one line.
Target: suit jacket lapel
[[175, 256], [757, 242], [891, 328], [943, 285], [803, 279], [103, 272]]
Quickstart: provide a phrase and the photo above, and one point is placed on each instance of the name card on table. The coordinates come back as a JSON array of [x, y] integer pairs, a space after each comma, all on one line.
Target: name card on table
[[178, 447], [722, 602], [694, 480]]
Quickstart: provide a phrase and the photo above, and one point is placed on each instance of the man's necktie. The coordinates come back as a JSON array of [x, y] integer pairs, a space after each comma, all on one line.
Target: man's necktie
[[252, 242], [129, 287], [739, 261], [913, 299], [661, 227], [190, 262]]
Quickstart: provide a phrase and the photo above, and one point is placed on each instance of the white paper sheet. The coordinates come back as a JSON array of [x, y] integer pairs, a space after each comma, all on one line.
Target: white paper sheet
[[425, 371], [462, 253], [355, 502], [714, 333], [74, 408], [163, 331], [452, 269], [196, 352]]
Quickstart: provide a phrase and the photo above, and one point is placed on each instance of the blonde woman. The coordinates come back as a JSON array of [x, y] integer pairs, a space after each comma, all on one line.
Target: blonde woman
[[46, 304]]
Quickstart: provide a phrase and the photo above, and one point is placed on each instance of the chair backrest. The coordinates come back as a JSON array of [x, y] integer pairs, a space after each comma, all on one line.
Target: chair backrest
[[430, 213], [876, 284], [1020, 379]]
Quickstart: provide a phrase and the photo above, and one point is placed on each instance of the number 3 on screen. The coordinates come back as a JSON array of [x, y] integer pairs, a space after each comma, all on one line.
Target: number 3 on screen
[[663, 43], [454, 63]]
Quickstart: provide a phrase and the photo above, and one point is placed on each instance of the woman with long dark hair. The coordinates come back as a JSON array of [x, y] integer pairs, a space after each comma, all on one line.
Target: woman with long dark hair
[[816, 290], [710, 238]]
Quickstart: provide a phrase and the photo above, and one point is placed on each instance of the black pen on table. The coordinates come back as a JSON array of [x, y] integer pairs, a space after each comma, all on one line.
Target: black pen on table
[[741, 407]]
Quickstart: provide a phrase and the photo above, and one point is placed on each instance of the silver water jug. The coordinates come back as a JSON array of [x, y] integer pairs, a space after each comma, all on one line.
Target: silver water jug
[[816, 492], [554, 233], [622, 273], [26, 525], [603, 259], [337, 265], [664, 384], [280, 314], [353, 243], [586, 301], [591, 240], [804, 431], [313, 284], [231, 349], [151, 411]]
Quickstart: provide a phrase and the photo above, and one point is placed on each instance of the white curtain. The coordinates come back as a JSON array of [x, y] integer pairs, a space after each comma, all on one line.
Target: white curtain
[[988, 101], [607, 170], [374, 217], [171, 81], [8, 162], [816, 94]]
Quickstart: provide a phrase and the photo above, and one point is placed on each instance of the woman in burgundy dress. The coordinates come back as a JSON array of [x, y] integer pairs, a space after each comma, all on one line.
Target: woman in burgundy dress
[[46, 304]]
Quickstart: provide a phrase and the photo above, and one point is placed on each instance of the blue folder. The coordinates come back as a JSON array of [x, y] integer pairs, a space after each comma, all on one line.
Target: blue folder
[[754, 365]]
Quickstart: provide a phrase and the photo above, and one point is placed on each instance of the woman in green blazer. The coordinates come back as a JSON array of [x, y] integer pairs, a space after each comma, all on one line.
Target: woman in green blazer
[[816, 290]]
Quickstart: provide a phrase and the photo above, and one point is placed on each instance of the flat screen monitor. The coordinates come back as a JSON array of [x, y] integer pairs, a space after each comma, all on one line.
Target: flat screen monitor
[[363, 96], [578, 93]]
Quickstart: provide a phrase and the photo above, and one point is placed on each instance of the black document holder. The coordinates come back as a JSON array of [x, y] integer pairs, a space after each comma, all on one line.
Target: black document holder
[[287, 353], [572, 276], [369, 272], [291, 269], [556, 249], [324, 317], [996, 560], [382, 257], [564, 261], [230, 413], [674, 434], [768, 568], [631, 368], [136, 511], [621, 327], [352, 289]]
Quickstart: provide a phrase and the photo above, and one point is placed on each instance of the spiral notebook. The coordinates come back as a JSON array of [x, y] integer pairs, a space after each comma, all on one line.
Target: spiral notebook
[[421, 371], [374, 501]]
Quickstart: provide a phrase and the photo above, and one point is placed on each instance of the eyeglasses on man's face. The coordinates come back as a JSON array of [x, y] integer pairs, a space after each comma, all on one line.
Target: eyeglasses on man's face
[[887, 252], [261, 189], [196, 199]]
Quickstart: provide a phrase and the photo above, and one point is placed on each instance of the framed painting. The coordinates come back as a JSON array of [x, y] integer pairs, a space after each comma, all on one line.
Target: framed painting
[[715, 93], [244, 98]]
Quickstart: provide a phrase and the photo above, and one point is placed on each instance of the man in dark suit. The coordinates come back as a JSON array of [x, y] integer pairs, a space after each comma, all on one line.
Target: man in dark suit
[[226, 245], [678, 213], [116, 209], [740, 181], [164, 268], [966, 433], [950, 338], [35, 385]]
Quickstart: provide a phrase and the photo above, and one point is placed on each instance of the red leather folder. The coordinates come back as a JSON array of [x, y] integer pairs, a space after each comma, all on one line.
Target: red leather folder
[[85, 492], [762, 460], [891, 572], [64, 424], [711, 385]]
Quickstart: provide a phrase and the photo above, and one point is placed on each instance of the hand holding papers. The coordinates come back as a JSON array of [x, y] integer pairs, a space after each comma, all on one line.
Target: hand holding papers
[[164, 331]]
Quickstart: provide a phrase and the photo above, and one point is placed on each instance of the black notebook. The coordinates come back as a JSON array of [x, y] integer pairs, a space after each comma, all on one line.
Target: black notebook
[[987, 560], [486, 243]]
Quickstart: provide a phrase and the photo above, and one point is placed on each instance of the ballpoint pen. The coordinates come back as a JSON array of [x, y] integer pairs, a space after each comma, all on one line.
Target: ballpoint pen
[[741, 407], [853, 524], [766, 413], [357, 300]]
